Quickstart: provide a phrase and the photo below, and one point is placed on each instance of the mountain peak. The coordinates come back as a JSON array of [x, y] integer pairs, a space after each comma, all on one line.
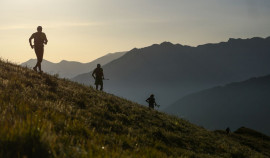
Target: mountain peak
[[134, 49], [166, 44], [63, 61]]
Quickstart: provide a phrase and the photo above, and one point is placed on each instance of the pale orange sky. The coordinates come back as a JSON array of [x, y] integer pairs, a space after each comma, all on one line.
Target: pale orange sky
[[83, 30]]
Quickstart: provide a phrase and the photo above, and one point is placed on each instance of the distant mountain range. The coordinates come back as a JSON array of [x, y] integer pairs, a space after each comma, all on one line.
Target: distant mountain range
[[244, 103], [171, 71], [69, 69]]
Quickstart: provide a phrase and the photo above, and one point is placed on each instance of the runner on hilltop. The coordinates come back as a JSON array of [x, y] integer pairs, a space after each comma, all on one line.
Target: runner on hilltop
[[39, 40]]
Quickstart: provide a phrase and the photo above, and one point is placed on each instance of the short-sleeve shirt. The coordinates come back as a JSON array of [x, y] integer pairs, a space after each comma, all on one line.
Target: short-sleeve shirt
[[98, 72], [39, 38]]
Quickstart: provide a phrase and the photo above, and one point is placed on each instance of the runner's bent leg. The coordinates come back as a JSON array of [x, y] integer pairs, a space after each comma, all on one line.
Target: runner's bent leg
[[39, 53]]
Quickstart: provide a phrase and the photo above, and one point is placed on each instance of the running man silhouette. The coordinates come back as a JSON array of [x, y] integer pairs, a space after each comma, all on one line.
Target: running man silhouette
[[151, 101], [98, 76], [39, 40]]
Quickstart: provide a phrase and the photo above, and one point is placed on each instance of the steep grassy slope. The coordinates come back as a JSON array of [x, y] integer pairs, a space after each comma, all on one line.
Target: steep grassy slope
[[43, 116], [255, 140]]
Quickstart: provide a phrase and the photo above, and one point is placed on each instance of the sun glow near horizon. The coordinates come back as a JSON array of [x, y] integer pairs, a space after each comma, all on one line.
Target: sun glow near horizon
[[84, 30]]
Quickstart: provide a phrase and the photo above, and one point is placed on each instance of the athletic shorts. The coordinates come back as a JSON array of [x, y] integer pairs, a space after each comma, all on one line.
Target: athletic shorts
[[99, 81]]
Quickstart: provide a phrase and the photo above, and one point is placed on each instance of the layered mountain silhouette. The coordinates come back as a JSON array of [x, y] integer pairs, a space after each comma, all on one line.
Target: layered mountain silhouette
[[171, 71], [69, 69], [244, 103]]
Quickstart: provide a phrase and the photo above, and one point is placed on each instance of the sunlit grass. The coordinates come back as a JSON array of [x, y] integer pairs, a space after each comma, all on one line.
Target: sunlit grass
[[44, 116]]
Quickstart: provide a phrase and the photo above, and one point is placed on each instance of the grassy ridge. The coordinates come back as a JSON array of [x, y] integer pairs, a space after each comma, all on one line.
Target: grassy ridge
[[44, 116]]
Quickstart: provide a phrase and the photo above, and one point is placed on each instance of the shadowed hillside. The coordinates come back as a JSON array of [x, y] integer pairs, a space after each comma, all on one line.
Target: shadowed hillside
[[255, 140], [44, 116], [69, 69], [244, 103], [171, 71]]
